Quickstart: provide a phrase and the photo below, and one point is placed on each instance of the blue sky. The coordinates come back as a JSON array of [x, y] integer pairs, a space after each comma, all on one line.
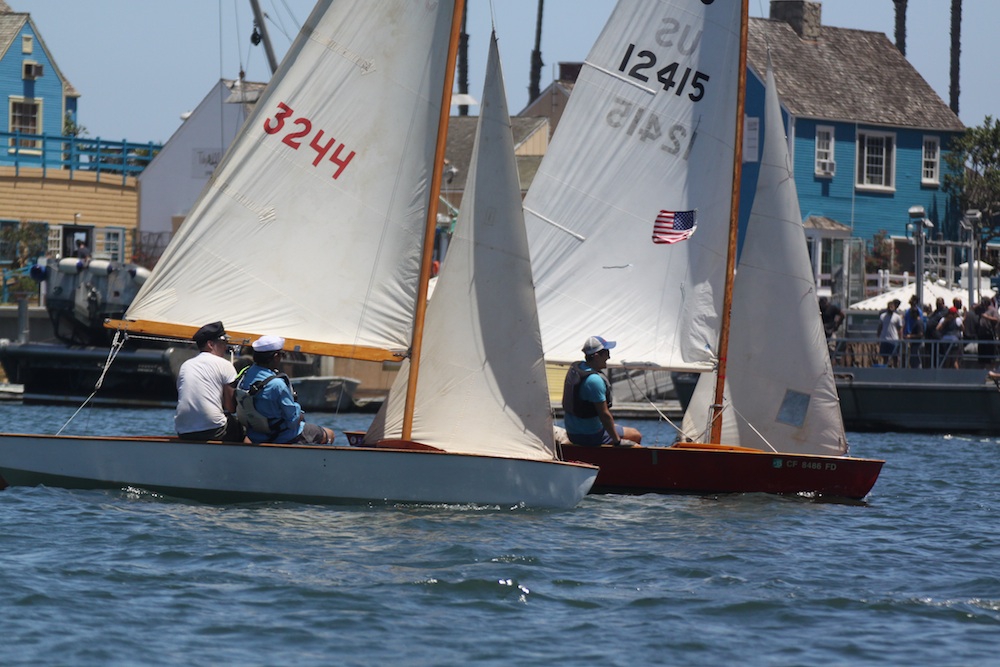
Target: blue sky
[[139, 64]]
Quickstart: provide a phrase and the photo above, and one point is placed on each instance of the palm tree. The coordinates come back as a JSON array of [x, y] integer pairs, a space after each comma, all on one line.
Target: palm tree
[[536, 58], [900, 25], [956, 52]]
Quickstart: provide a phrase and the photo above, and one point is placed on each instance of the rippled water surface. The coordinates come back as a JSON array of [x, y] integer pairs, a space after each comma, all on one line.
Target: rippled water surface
[[124, 578]]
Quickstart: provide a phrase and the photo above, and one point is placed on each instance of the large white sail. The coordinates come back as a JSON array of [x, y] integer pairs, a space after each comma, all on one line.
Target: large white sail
[[647, 135], [311, 227], [780, 392], [481, 386]]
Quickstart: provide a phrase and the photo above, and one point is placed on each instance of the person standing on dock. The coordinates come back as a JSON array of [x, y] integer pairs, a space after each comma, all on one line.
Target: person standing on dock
[[889, 326], [206, 400], [587, 400]]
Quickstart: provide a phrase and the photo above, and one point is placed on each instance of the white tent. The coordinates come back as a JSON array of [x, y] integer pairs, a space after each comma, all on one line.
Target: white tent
[[980, 265], [931, 293]]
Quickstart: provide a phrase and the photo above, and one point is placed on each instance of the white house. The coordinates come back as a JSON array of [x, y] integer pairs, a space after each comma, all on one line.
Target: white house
[[172, 182]]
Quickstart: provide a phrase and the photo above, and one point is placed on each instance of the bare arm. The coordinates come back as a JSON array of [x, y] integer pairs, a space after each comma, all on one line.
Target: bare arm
[[228, 398]]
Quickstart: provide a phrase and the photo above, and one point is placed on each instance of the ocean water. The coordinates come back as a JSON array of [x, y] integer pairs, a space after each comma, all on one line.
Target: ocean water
[[127, 578]]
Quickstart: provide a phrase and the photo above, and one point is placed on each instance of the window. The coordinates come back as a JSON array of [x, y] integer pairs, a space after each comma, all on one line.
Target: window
[[55, 241], [876, 160], [931, 161], [26, 117], [825, 165], [8, 241], [112, 242], [27, 44]]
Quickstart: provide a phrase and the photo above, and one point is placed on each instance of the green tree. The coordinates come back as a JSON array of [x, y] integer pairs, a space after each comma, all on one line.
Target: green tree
[[878, 255], [974, 178], [71, 128]]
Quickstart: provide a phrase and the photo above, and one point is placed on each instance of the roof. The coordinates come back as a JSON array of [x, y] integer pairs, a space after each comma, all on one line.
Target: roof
[[462, 136], [11, 24], [847, 75], [931, 292], [824, 223]]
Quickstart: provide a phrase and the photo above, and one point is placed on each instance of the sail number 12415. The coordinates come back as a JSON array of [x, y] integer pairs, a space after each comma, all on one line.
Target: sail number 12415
[[300, 130], [669, 76]]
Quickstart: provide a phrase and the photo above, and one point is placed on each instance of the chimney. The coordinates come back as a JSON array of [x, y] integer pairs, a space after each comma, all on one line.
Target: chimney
[[569, 71], [803, 15]]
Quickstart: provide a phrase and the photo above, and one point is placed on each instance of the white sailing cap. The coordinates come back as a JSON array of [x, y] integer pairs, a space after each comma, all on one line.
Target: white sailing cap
[[268, 344], [595, 344]]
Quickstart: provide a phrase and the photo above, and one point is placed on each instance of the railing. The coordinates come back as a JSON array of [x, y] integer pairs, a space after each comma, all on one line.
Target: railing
[[868, 352], [73, 154]]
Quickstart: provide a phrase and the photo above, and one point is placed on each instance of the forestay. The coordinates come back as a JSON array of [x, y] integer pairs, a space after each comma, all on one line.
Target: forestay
[[648, 132], [482, 386], [780, 391], [312, 225]]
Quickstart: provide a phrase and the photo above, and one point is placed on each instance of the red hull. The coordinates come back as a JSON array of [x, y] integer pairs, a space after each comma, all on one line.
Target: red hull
[[700, 468]]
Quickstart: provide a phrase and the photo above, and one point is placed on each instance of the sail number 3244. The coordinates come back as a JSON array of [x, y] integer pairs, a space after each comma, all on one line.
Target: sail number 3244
[[300, 130]]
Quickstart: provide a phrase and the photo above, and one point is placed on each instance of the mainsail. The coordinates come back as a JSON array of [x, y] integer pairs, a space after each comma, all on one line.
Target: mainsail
[[482, 385], [780, 391], [645, 146], [312, 225]]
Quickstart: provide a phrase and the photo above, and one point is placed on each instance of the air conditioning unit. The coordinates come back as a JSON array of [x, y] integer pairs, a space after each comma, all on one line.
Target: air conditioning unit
[[826, 167], [33, 70]]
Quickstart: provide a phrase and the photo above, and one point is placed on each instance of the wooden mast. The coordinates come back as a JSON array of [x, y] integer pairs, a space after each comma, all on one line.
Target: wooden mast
[[431, 227], [734, 223]]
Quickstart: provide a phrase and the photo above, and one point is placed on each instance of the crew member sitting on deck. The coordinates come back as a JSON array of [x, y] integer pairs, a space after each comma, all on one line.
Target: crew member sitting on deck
[[205, 398], [587, 400], [266, 405]]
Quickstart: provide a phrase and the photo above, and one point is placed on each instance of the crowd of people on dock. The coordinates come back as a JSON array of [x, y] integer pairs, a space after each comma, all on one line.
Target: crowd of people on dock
[[923, 337]]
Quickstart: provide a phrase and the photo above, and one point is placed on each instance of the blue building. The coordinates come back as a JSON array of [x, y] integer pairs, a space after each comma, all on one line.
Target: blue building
[[867, 135], [38, 98]]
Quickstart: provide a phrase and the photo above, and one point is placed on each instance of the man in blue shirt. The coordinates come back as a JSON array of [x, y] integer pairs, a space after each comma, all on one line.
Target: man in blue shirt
[[266, 405], [587, 400]]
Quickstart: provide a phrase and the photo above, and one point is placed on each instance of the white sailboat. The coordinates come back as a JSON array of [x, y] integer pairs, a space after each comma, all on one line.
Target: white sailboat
[[658, 100], [336, 170]]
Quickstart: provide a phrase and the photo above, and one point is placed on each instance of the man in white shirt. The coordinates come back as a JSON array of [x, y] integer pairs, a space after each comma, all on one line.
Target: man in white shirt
[[889, 325], [205, 394]]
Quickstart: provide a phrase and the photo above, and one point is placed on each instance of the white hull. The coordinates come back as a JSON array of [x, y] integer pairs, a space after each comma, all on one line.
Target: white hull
[[241, 473]]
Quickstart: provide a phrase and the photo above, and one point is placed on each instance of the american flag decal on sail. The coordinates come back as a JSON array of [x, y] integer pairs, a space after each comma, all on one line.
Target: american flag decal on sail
[[674, 226]]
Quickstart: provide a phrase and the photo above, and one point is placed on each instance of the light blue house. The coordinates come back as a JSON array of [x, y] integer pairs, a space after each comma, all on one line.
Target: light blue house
[[867, 136], [37, 97]]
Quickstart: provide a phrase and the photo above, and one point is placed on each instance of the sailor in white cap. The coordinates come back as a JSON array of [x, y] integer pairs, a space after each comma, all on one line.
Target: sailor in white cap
[[266, 404], [587, 400]]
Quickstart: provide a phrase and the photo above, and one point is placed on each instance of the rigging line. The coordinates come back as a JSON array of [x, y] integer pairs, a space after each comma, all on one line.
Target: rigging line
[[279, 24], [116, 347], [635, 385], [754, 428]]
